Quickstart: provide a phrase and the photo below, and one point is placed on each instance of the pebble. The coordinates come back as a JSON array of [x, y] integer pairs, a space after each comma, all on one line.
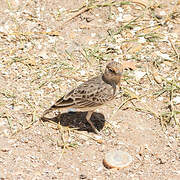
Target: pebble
[[117, 159]]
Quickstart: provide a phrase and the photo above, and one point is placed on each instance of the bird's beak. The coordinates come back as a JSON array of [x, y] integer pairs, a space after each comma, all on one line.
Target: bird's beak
[[119, 84]]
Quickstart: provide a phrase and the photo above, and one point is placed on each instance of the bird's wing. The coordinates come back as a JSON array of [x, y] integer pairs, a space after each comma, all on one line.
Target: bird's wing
[[92, 93], [75, 100]]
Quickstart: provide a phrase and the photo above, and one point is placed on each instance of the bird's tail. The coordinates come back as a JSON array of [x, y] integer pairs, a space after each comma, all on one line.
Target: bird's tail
[[47, 111]]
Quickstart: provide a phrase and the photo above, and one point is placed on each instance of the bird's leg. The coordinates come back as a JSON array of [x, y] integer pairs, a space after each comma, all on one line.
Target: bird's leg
[[88, 117]]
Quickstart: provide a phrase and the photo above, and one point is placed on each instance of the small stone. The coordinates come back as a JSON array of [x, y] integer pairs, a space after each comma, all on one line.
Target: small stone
[[82, 72], [139, 75], [176, 100], [158, 79], [93, 34], [127, 17], [82, 176], [117, 159], [141, 40]]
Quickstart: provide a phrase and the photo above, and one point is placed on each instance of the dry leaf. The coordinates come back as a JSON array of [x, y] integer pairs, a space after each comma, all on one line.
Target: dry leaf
[[129, 64], [146, 31], [125, 46], [157, 77], [31, 62], [72, 35], [168, 63], [53, 33], [129, 35], [135, 48], [141, 2], [84, 27]]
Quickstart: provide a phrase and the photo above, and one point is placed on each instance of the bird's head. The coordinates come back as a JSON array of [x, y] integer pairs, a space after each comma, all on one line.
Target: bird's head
[[113, 72]]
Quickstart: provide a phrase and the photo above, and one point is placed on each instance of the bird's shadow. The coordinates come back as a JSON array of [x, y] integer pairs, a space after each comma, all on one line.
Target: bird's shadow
[[78, 120]]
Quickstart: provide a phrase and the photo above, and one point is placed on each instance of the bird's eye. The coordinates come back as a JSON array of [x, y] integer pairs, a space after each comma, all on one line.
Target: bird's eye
[[112, 71]]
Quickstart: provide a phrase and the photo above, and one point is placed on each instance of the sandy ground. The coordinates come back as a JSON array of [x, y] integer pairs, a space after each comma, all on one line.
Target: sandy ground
[[49, 47]]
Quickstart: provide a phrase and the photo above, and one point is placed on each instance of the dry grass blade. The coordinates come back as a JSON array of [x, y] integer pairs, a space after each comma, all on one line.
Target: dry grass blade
[[84, 134], [10, 123], [175, 50]]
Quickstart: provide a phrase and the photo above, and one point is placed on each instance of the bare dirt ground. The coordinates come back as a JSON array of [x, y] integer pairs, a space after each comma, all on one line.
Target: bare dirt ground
[[49, 47]]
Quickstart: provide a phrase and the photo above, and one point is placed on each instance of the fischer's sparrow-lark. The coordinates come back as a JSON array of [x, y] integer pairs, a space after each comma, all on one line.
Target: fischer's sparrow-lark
[[92, 93]]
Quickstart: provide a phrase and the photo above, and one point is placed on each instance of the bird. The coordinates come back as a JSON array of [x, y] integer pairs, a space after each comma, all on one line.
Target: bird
[[93, 93]]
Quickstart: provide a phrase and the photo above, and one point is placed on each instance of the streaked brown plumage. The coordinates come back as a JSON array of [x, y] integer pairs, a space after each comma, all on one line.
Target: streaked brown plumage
[[92, 93]]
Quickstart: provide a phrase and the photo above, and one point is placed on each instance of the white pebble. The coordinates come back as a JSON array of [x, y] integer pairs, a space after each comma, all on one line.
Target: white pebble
[[160, 98], [93, 34], [139, 75], [82, 72], [120, 9], [176, 100], [164, 56], [141, 40], [119, 18], [162, 13], [91, 42]]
